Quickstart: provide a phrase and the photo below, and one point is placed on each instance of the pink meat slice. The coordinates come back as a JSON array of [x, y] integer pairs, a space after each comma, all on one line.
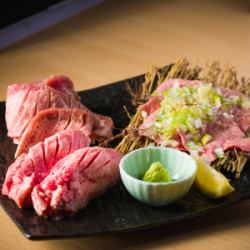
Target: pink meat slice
[[226, 133], [61, 83], [12, 170], [151, 106], [147, 130], [243, 144], [76, 179], [31, 168], [51, 121], [24, 101], [226, 92], [153, 103], [103, 127], [176, 82], [29, 110], [244, 121]]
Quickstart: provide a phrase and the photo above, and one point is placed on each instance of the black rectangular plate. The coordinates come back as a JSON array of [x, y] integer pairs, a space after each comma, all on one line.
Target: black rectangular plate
[[116, 211]]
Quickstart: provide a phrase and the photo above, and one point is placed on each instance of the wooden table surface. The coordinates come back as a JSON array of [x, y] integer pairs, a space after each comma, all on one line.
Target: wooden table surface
[[119, 39]]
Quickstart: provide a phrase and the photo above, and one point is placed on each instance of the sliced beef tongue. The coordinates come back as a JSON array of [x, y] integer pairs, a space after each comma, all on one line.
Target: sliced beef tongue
[[244, 121], [150, 109], [31, 168], [243, 144], [51, 121], [226, 92], [153, 103], [76, 179], [60, 83], [27, 105], [151, 106], [226, 133], [24, 101], [102, 128], [171, 83]]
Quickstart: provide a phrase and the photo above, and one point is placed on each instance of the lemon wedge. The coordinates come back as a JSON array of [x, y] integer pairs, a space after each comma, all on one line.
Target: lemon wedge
[[210, 182]]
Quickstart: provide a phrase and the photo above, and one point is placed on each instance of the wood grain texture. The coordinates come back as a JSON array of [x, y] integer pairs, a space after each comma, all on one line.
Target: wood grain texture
[[119, 39]]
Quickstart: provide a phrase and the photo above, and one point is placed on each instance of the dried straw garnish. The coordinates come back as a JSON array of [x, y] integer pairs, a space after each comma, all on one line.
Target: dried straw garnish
[[234, 160]]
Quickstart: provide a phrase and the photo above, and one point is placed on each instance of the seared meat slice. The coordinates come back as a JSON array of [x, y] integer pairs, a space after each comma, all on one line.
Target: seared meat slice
[[51, 121], [31, 168], [76, 179], [24, 101], [103, 127]]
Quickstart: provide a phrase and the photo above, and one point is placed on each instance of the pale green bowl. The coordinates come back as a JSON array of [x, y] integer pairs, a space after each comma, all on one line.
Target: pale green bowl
[[136, 163]]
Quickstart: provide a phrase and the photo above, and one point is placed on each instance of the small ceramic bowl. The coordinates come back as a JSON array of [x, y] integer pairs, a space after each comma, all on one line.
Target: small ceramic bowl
[[180, 165]]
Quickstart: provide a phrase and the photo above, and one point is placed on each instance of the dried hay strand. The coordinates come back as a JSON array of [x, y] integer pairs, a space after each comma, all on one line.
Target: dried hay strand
[[234, 160]]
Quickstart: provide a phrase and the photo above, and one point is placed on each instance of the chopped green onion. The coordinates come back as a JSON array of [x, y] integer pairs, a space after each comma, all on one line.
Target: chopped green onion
[[191, 108], [219, 152], [194, 147]]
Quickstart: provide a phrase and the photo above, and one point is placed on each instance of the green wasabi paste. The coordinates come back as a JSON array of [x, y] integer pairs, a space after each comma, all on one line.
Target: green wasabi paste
[[157, 173]]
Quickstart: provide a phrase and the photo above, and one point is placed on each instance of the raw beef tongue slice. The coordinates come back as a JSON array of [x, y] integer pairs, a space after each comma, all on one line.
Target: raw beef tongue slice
[[171, 83], [76, 179], [61, 83], [150, 108], [245, 121], [24, 101], [226, 133], [31, 168], [103, 127], [51, 121]]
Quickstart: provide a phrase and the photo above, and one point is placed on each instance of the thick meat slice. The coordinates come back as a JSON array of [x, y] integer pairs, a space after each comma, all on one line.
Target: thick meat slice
[[24, 101], [61, 83], [103, 127], [51, 121], [31, 168], [75, 180]]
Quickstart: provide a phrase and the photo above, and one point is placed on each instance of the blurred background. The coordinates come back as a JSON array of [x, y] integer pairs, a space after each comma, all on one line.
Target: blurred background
[[13, 11], [96, 42]]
